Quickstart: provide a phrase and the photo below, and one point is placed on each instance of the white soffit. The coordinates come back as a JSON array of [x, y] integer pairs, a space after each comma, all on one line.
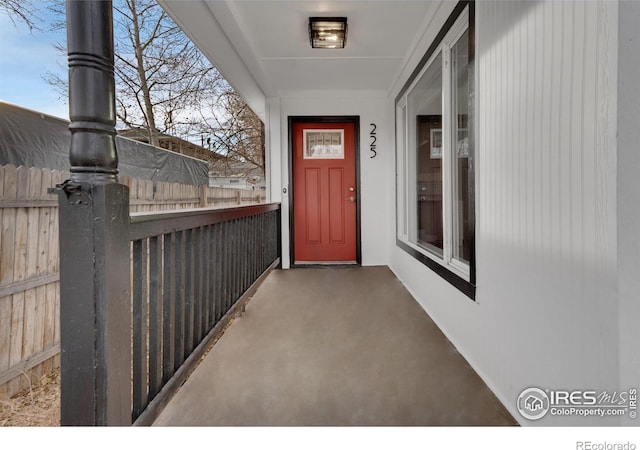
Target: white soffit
[[268, 41]]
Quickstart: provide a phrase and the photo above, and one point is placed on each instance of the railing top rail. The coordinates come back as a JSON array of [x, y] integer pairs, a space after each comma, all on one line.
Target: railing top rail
[[145, 225]]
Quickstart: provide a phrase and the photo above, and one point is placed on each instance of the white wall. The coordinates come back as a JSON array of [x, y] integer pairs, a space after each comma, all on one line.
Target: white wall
[[547, 310], [629, 195], [375, 186]]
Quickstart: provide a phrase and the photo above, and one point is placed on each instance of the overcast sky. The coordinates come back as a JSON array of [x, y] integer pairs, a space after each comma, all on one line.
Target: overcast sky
[[25, 58]]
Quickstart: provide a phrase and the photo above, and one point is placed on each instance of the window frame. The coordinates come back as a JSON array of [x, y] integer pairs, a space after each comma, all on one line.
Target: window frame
[[457, 273]]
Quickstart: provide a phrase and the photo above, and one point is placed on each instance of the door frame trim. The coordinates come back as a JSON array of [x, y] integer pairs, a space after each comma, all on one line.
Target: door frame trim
[[355, 120]]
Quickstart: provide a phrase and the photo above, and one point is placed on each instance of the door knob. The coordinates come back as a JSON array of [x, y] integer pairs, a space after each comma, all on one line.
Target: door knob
[[351, 189], [351, 199]]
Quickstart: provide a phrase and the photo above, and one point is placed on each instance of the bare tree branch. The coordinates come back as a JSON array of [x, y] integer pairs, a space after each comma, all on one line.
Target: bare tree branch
[[19, 11], [165, 85]]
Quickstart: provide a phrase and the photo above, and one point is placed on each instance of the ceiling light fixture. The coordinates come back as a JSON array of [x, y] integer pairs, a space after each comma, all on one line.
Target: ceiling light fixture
[[328, 32]]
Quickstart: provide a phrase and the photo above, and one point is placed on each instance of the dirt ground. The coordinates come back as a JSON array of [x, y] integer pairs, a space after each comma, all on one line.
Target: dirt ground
[[40, 405], [35, 407]]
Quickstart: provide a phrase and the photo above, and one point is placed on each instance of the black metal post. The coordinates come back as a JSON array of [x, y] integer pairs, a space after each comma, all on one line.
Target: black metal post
[[95, 310]]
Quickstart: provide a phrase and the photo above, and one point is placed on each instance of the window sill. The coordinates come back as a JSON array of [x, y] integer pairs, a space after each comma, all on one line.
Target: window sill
[[453, 278]]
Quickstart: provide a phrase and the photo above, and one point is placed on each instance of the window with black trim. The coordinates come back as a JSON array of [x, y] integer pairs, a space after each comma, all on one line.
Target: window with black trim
[[435, 155]]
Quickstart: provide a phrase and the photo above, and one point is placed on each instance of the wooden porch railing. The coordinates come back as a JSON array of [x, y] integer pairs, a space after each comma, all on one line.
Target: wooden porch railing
[[191, 271], [137, 294]]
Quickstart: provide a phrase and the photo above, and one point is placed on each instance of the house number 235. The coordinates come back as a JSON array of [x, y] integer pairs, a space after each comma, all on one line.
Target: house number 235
[[372, 135]]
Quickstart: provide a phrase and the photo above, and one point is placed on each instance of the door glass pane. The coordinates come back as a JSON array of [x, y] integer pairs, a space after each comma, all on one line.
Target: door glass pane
[[425, 116], [462, 227]]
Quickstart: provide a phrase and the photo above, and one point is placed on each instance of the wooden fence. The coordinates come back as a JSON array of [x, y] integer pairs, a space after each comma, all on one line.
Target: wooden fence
[[29, 277]]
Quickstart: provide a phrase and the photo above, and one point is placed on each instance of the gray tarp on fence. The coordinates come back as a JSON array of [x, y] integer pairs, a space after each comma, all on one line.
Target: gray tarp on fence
[[29, 138]]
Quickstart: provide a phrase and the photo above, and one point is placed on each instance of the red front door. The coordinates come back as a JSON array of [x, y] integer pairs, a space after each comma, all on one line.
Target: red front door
[[324, 197]]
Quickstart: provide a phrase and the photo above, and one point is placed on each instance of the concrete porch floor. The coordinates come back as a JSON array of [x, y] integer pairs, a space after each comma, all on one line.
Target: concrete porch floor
[[333, 347]]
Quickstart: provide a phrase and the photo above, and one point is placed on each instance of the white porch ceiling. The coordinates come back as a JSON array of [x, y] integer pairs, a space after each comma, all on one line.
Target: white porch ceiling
[[268, 40]]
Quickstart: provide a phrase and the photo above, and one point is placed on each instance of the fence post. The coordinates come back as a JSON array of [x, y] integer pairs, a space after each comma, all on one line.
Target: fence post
[[204, 196], [95, 310]]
